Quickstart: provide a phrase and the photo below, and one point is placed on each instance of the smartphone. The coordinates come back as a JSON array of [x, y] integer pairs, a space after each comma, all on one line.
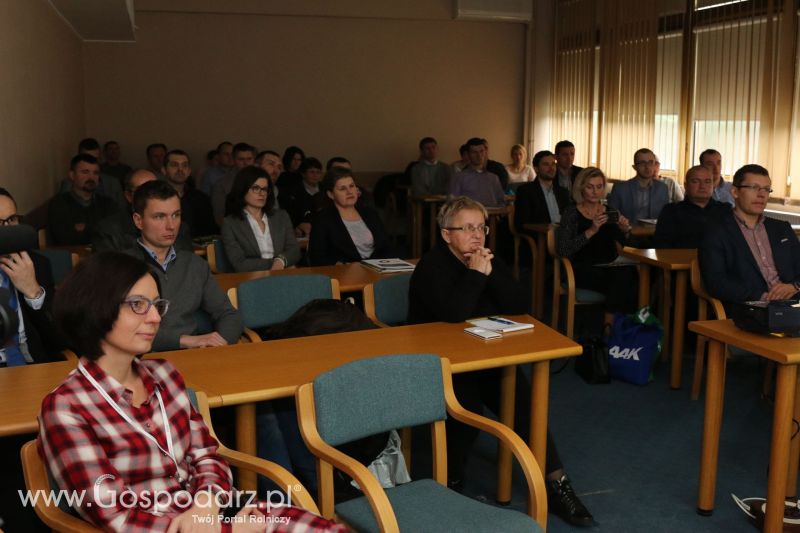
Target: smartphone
[[613, 215]]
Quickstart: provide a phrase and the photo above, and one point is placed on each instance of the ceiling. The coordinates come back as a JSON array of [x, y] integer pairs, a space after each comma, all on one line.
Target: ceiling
[[99, 20]]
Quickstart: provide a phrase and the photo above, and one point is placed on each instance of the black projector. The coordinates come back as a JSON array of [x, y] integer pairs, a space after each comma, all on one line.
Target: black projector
[[777, 316]]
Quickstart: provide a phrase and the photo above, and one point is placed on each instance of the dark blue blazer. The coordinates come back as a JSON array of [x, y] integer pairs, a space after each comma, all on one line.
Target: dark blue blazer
[[330, 243], [729, 269]]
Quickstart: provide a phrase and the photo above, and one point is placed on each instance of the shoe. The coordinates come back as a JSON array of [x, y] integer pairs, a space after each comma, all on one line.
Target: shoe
[[562, 500]]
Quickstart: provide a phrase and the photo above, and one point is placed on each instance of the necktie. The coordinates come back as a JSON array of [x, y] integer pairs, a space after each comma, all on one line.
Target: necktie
[[13, 353]]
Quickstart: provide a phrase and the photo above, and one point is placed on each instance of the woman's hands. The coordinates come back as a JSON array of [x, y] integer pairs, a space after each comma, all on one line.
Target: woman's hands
[[480, 260], [624, 224], [597, 223]]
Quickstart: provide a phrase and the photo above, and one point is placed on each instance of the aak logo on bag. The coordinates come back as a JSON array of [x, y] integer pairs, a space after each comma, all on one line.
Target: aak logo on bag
[[625, 353]]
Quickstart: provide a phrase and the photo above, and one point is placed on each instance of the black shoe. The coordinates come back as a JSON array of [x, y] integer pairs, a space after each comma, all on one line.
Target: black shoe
[[562, 500]]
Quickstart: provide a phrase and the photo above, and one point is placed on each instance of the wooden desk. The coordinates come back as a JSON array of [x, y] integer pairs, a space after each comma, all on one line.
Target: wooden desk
[[641, 229], [784, 450], [243, 374], [22, 389], [680, 262], [541, 265], [352, 277]]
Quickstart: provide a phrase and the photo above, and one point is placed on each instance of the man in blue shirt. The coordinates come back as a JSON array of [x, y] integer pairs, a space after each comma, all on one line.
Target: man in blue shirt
[[712, 160]]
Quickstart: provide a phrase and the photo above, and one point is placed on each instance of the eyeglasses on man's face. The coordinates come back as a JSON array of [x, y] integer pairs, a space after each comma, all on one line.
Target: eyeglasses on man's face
[[469, 228], [13, 220], [755, 188], [141, 305]]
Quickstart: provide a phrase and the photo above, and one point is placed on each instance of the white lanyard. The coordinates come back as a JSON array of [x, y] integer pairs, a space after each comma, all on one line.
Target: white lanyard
[[138, 427]]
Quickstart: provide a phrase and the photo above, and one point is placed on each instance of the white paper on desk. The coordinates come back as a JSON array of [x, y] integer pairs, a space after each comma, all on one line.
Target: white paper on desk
[[652, 221]]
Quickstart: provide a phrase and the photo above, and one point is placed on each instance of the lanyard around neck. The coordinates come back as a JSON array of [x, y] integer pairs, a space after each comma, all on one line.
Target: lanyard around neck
[[170, 452]]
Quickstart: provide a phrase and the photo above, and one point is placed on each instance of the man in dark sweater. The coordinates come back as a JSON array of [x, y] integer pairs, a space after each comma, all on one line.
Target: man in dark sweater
[[73, 215], [184, 278], [459, 279], [195, 204], [681, 225]]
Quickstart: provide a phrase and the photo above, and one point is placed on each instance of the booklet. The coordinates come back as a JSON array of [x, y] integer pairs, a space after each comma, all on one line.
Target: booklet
[[500, 324], [388, 265], [483, 333]]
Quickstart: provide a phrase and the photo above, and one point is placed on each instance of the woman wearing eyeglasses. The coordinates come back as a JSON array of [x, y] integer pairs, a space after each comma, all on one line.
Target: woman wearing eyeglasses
[[255, 234], [345, 232], [459, 279], [122, 430]]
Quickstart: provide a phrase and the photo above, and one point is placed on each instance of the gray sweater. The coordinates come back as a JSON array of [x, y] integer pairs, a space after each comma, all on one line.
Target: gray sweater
[[191, 289]]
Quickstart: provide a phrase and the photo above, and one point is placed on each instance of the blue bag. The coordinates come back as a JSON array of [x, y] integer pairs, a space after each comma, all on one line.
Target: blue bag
[[633, 346]]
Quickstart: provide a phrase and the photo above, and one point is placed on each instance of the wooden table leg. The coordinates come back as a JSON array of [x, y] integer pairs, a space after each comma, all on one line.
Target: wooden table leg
[[541, 266], [246, 441], [712, 420], [644, 284], [678, 325], [540, 384], [794, 451], [664, 314], [508, 384], [779, 449]]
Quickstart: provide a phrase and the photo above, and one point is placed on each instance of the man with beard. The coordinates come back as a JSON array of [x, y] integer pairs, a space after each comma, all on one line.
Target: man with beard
[[542, 200], [195, 205], [73, 215]]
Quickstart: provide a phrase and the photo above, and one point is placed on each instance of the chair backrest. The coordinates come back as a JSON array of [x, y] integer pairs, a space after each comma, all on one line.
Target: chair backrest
[[697, 286], [217, 260], [386, 300], [266, 301], [61, 262], [373, 395]]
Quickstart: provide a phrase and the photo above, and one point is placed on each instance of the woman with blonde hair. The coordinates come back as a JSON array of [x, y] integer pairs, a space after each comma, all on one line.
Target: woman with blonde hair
[[519, 171]]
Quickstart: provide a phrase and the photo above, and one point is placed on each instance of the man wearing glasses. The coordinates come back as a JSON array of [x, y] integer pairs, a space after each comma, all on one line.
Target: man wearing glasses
[[746, 256], [30, 283], [643, 196]]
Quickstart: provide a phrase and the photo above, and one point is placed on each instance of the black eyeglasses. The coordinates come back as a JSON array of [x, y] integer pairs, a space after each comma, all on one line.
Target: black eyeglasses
[[255, 189], [141, 305], [11, 221], [755, 188], [469, 228]]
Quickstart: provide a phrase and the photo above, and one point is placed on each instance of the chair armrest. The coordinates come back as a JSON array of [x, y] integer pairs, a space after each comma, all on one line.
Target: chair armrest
[[570, 274], [248, 335], [69, 355], [376, 496], [282, 477], [537, 492]]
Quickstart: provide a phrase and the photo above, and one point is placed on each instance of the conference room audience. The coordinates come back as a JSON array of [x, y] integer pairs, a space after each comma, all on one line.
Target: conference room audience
[[643, 196], [112, 163], [298, 198], [215, 172], [184, 277], [244, 155], [495, 167], [155, 154], [589, 240], [344, 231], [543, 200], [429, 175], [519, 171], [712, 160], [459, 279], [107, 185], [196, 212], [256, 234], [745, 255], [674, 190], [92, 426], [292, 158], [476, 181], [682, 224], [463, 162], [72, 216], [567, 170]]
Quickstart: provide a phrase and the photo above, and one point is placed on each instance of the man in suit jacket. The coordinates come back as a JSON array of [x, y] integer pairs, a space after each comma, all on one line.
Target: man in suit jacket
[[542, 200], [31, 279], [567, 172], [643, 196], [746, 256]]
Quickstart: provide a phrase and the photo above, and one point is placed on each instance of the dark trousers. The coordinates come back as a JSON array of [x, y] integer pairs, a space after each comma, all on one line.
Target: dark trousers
[[619, 284], [476, 390]]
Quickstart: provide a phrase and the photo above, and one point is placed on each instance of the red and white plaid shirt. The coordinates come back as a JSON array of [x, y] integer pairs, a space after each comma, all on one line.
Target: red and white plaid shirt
[[89, 448]]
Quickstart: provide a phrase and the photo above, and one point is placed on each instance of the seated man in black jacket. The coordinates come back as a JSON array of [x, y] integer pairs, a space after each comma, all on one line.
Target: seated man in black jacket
[[681, 225], [745, 255], [542, 200], [459, 279]]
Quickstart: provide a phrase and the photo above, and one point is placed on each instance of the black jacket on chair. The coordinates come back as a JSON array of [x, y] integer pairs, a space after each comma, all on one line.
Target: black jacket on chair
[[530, 207], [730, 271], [44, 343], [330, 242]]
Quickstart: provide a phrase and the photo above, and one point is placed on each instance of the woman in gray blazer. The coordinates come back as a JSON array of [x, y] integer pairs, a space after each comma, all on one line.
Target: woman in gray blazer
[[255, 234]]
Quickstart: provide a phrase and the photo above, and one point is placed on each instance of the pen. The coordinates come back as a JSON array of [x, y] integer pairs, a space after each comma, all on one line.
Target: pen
[[501, 320]]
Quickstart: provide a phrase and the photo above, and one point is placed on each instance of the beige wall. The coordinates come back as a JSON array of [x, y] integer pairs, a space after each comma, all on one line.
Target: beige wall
[[366, 88], [41, 97]]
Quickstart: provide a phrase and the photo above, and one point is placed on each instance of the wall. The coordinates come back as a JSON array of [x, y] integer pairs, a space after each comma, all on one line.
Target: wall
[[41, 97], [366, 87]]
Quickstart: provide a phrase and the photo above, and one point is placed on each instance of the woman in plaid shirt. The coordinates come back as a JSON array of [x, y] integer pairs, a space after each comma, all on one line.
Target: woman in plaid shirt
[[122, 433]]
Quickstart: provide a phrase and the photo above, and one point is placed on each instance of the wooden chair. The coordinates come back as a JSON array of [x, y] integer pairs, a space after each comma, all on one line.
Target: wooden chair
[[386, 300], [519, 237], [217, 260], [42, 234], [370, 396], [267, 301], [704, 302], [567, 288], [37, 478], [61, 262]]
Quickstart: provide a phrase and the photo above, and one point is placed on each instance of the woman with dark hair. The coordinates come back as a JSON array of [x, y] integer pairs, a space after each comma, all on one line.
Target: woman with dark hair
[[255, 234], [292, 158], [345, 232], [120, 424], [297, 198]]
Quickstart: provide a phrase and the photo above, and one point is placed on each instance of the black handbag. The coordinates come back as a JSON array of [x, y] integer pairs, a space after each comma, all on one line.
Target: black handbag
[[592, 364]]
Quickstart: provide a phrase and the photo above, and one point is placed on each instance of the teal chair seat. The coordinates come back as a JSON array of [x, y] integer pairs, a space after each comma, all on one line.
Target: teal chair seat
[[426, 506], [587, 296], [386, 300]]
